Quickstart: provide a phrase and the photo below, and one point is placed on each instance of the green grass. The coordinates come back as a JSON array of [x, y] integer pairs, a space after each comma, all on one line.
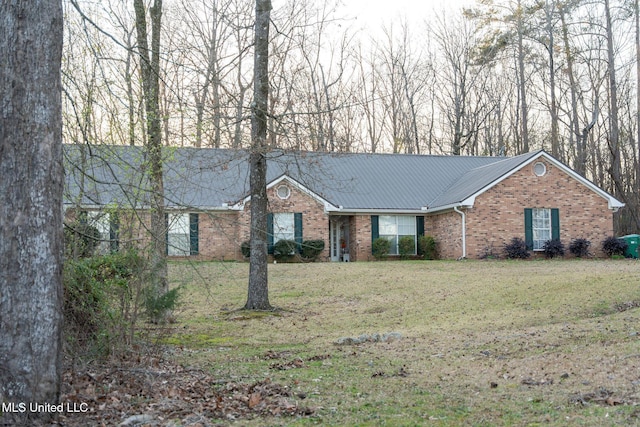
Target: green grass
[[484, 343]]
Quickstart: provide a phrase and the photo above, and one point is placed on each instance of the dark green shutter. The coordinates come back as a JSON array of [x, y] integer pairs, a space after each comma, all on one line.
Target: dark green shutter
[[166, 234], [297, 230], [114, 231], [419, 226], [193, 234], [270, 233], [555, 224], [83, 217], [375, 229], [528, 228]]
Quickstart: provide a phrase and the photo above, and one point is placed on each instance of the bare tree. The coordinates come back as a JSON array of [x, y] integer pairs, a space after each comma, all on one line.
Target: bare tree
[[258, 289], [150, 71], [637, 41], [614, 125], [30, 207]]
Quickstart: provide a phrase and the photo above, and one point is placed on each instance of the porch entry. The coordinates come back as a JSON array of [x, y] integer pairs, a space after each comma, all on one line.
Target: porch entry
[[339, 238]]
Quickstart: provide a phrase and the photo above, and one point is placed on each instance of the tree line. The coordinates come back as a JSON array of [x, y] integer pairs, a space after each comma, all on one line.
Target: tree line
[[503, 77]]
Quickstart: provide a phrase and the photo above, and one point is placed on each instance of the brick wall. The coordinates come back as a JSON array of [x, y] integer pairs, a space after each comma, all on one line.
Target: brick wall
[[498, 214], [446, 228], [315, 222], [360, 232], [218, 236], [497, 217]]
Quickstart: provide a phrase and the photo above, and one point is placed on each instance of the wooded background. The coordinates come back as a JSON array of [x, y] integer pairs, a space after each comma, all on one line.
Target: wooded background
[[503, 77]]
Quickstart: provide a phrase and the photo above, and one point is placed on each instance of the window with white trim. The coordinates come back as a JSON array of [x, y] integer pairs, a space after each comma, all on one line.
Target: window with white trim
[[393, 227], [283, 226], [102, 221], [178, 242], [541, 227]]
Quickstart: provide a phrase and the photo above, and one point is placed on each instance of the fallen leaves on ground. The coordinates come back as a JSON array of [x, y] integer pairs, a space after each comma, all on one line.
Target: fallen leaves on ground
[[164, 394]]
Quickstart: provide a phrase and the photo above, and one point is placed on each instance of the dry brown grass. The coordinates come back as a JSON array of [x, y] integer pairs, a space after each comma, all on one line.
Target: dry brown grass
[[484, 343]]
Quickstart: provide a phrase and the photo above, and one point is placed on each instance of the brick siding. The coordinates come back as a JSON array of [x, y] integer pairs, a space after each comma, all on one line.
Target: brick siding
[[498, 213], [315, 222], [497, 217]]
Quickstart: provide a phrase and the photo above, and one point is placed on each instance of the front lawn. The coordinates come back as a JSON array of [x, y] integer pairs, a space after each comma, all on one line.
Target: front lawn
[[482, 343]]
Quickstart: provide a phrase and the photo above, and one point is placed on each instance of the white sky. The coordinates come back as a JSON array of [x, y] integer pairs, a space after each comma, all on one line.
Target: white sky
[[373, 13]]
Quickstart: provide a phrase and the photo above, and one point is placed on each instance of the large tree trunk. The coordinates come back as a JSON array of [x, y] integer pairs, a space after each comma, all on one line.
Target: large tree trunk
[[150, 70], [258, 295], [30, 206]]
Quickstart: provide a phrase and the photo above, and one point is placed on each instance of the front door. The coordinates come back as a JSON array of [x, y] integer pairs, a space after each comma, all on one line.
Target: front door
[[335, 235], [339, 238]]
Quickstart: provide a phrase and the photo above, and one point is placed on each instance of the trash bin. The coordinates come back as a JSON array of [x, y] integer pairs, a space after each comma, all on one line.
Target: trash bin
[[632, 245]]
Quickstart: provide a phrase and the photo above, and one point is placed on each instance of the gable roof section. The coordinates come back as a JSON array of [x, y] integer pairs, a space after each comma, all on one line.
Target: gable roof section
[[475, 181], [218, 179], [384, 182]]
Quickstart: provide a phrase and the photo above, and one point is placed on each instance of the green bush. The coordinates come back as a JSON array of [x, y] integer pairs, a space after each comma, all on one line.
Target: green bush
[[101, 300], [284, 249], [245, 248], [157, 306], [80, 240], [406, 246], [381, 248], [427, 247], [311, 249]]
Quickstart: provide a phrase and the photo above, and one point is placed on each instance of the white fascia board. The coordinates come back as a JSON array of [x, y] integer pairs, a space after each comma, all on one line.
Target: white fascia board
[[327, 205], [222, 208], [343, 211], [613, 203], [83, 206], [467, 203], [195, 209]]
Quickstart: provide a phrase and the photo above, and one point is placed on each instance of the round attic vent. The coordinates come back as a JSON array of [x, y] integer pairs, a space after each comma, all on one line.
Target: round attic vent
[[283, 192], [539, 169]]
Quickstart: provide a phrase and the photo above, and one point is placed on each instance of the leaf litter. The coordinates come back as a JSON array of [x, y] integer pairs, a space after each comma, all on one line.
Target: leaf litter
[[165, 394]]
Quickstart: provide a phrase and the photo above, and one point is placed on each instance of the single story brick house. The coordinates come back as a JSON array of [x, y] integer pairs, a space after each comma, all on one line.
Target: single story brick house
[[472, 206]]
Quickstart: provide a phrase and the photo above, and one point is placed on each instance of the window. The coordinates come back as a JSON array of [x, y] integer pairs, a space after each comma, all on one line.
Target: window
[[283, 192], [541, 224], [284, 226], [393, 227], [106, 223], [182, 234], [539, 169]]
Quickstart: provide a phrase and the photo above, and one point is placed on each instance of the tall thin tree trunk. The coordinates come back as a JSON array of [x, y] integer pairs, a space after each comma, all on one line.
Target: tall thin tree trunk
[[258, 290], [150, 69], [524, 109], [128, 77], [31, 242], [614, 131], [637, 11], [580, 163], [555, 139]]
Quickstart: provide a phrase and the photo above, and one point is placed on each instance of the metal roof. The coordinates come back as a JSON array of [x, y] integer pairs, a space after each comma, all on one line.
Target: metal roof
[[208, 178]]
